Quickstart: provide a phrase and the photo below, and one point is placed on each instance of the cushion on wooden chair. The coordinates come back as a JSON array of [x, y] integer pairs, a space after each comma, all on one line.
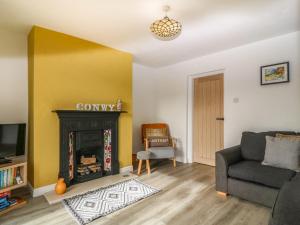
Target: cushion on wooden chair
[[161, 152], [163, 141], [143, 155]]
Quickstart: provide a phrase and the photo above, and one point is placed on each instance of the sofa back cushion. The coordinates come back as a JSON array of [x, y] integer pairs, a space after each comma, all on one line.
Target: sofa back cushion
[[253, 144]]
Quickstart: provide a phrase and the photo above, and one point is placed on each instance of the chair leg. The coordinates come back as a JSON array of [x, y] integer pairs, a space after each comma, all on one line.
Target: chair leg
[[140, 166], [174, 162], [148, 166]]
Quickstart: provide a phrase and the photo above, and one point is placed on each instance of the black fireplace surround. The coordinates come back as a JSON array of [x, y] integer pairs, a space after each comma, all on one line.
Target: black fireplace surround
[[86, 130]]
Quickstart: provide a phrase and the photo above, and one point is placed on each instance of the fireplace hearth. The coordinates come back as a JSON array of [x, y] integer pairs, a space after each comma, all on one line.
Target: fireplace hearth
[[88, 145]]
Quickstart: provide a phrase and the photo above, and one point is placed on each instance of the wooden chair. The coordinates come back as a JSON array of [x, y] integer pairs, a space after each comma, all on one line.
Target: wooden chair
[[157, 131]]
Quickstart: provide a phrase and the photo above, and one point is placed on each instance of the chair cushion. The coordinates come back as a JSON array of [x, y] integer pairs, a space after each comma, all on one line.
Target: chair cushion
[[143, 155], [253, 171], [161, 152], [253, 144]]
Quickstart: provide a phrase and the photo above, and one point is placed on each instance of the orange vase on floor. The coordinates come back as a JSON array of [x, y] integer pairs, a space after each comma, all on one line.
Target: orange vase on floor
[[60, 187]]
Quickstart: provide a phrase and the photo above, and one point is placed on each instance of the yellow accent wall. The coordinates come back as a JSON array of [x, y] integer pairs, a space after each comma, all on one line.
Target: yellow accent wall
[[63, 71]]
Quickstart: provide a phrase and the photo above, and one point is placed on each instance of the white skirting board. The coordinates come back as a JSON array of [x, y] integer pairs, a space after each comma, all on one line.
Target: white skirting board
[[36, 192], [126, 169]]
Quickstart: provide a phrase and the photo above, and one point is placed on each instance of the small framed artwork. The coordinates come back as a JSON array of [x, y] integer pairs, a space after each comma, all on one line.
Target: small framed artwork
[[274, 74]]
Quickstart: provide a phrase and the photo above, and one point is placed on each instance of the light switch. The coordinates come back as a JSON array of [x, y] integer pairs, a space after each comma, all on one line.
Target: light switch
[[236, 100]]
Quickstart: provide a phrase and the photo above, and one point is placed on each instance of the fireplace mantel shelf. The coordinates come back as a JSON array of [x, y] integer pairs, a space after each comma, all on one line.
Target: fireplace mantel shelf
[[84, 111]]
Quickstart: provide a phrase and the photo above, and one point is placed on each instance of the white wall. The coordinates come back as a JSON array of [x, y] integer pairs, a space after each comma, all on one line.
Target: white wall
[[143, 101], [260, 108], [13, 77]]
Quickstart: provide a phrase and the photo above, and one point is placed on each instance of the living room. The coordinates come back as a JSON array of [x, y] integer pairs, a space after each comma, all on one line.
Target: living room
[[191, 103]]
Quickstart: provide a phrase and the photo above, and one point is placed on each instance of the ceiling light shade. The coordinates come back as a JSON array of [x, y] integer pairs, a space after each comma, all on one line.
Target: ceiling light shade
[[166, 28]]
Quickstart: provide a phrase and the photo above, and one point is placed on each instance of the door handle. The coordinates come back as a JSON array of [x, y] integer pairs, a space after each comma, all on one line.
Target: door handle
[[220, 118]]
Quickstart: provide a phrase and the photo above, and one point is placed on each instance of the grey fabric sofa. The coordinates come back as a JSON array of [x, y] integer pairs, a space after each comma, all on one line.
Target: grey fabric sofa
[[286, 210], [239, 171]]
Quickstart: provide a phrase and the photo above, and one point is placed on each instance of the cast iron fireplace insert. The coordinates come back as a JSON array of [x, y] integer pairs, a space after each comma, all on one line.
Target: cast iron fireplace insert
[[88, 134], [87, 145]]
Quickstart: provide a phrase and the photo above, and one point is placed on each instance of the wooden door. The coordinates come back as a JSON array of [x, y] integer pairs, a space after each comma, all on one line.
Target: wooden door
[[208, 118]]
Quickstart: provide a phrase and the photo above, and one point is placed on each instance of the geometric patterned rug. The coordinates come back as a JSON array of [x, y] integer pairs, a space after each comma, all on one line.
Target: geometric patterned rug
[[103, 201]]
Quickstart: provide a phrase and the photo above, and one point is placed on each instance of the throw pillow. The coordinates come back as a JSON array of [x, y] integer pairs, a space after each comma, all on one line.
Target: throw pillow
[[158, 141], [289, 137], [282, 153]]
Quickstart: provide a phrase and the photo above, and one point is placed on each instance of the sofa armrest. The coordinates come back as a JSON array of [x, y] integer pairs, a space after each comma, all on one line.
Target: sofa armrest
[[286, 209], [224, 159]]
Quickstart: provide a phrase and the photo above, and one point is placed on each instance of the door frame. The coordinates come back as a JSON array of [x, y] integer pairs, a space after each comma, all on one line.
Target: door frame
[[190, 106]]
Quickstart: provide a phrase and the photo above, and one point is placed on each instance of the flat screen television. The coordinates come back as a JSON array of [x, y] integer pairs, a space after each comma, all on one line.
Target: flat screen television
[[12, 140]]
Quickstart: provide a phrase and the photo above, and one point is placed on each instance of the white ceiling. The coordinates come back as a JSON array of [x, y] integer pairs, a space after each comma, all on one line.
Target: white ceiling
[[208, 25]]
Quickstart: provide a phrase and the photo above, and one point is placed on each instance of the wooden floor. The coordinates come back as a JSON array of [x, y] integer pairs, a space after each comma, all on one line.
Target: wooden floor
[[188, 197]]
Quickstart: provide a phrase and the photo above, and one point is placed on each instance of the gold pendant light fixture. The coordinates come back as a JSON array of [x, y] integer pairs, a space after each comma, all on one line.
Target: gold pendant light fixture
[[166, 29]]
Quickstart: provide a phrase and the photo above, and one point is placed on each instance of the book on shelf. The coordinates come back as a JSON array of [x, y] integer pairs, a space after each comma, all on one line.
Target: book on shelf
[[9, 177], [6, 201], [5, 194]]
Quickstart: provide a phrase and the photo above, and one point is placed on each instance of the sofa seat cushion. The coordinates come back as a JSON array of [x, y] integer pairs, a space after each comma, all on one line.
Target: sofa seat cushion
[[253, 171]]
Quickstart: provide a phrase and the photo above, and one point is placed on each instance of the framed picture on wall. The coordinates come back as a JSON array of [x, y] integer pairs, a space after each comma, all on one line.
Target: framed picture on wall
[[274, 74]]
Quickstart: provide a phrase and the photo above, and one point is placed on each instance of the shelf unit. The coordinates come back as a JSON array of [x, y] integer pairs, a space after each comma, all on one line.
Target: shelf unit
[[21, 163], [10, 208]]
